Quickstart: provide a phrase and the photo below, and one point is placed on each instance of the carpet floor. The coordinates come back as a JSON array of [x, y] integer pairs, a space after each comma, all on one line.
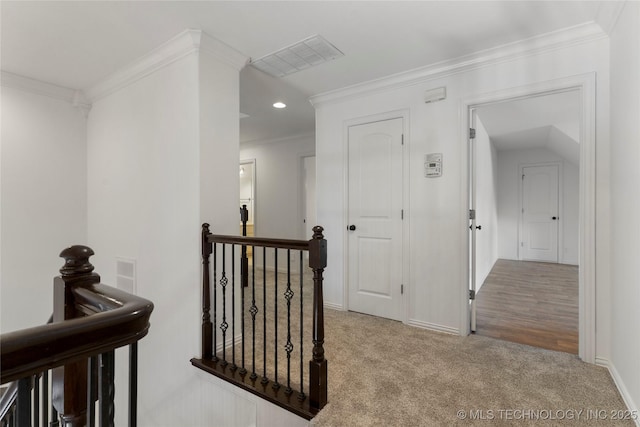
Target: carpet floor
[[384, 373]]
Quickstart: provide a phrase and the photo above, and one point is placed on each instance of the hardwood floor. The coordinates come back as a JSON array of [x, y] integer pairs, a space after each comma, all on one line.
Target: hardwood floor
[[530, 303]]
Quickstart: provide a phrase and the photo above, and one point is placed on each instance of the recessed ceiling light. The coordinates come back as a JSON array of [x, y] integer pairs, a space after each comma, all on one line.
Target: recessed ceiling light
[[279, 105]]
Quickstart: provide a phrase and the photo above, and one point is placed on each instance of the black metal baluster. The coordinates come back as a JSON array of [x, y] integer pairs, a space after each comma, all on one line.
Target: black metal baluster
[[264, 380], [276, 385], [36, 401], [107, 389], [91, 389], [23, 402], [243, 280], [133, 384], [233, 308], [301, 395], [45, 397], [224, 325], [253, 310], [215, 303], [289, 346]]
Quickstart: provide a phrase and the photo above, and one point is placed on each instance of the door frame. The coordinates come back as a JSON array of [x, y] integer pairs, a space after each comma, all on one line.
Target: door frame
[[395, 114], [302, 194], [586, 84], [254, 193], [560, 237]]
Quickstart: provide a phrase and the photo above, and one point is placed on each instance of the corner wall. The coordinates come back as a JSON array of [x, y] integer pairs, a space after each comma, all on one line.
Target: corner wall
[[43, 198], [625, 204]]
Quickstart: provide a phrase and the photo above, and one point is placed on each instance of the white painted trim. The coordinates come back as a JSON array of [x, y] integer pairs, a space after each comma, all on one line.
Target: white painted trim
[[571, 36], [607, 17], [277, 140], [334, 306], [302, 194], [38, 87], [254, 191], [560, 237], [433, 327], [587, 251], [622, 388], [403, 114], [185, 43]]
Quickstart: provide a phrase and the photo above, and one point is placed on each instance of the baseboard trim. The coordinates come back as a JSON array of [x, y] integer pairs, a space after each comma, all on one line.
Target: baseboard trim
[[334, 306], [622, 389], [433, 327]]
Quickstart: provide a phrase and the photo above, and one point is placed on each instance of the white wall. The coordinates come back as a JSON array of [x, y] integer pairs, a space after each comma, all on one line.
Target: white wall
[[509, 162], [625, 203], [279, 192], [486, 204], [437, 207], [43, 200]]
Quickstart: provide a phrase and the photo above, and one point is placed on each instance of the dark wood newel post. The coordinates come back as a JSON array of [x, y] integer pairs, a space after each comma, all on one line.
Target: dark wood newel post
[[318, 364], [207, 326], [70, 381]]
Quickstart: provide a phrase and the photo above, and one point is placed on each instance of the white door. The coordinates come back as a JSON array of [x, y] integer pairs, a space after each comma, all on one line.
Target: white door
[[375, 218], [540, 215]]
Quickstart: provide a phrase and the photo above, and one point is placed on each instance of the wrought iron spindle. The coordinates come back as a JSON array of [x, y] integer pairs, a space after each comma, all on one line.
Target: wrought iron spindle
[[133, 384], [214, 355], [36, 400], [265, 379], [243, 279], [253, 310], [233, 308], [107, 388], [275, 385], [45, 397], [91, 391], [288, 294], [301, 395], [224, 325], [23, 402]]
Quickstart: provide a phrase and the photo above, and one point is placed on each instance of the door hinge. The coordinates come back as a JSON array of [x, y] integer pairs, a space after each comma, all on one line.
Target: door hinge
[[402, 214], [523, 177], [401, 289], [472, 294], [402, 139], [472, 133], [472, 214]]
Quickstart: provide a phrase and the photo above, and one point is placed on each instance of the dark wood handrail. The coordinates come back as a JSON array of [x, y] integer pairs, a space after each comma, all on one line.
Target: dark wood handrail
[[122, 319], [110, 319], [259, 241]]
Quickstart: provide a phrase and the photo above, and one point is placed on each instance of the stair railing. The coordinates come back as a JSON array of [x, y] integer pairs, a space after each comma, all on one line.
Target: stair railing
[[75, 353], [229, 348]]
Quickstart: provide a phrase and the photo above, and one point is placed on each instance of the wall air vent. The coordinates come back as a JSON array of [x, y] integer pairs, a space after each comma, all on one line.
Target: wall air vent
[[299, 56]]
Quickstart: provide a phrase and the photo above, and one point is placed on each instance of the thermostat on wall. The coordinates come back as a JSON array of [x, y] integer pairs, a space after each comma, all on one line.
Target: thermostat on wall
[[433, 165]]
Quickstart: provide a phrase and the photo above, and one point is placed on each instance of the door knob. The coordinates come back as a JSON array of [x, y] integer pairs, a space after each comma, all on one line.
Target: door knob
[[554, 218], [352, 227]]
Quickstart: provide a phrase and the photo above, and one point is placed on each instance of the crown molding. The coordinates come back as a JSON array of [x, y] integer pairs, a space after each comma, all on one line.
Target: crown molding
[[548, 42], [39, 87], [608, 14], [288, 138], [185, 43], [221, 51]]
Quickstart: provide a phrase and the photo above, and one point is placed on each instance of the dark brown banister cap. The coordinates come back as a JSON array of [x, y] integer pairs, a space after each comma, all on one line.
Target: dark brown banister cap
[[76, 261]]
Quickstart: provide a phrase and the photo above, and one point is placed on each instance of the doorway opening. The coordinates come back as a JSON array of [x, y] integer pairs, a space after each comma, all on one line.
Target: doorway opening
[[247, 171], [531, 224]]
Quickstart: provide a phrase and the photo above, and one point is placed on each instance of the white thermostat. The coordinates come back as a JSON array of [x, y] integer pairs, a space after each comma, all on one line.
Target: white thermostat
[[433, 165]]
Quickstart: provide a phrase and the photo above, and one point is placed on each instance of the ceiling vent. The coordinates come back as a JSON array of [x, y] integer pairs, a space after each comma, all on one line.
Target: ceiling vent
[[307, 53]]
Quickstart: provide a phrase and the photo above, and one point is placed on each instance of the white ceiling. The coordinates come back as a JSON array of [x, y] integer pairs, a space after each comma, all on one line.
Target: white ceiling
[[550, 121], [77, 44]]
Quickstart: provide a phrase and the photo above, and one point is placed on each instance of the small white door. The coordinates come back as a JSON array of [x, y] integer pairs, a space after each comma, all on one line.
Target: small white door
[[375, 218], [540, 215]]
